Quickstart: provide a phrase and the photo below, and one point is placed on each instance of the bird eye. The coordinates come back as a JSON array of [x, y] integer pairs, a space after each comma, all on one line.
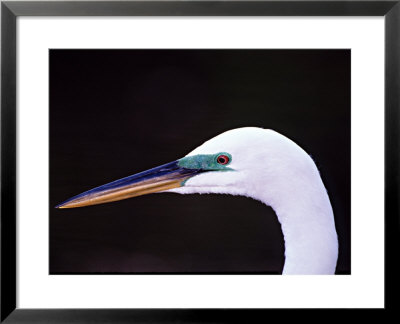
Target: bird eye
[[223, 159]]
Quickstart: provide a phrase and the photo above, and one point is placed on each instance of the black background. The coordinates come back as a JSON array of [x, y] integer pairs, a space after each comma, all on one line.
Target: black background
[[117, 112]]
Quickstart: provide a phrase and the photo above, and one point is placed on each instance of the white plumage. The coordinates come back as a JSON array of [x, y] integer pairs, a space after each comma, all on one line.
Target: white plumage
[[271, 168]]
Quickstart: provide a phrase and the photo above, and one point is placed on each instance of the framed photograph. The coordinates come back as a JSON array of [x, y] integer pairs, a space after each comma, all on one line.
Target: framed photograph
[[175, 160]]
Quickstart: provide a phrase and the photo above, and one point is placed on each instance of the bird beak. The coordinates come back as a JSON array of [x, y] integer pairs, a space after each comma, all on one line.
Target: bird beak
[[164, 177]]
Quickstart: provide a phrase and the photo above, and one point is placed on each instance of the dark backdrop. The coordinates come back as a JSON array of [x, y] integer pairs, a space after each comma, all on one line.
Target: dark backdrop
[[117, 112]]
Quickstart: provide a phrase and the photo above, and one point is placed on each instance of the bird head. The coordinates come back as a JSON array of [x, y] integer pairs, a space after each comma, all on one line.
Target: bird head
[[223, 164]]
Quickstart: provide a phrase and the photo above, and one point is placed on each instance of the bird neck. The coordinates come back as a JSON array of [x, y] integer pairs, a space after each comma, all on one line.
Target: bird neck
[[311, 245], [306, 217]]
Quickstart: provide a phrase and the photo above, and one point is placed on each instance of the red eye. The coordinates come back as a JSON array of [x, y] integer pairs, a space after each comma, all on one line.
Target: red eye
[[223, 159]]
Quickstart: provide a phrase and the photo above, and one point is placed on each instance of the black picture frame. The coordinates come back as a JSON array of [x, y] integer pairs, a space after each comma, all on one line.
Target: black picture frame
[[10, 10]]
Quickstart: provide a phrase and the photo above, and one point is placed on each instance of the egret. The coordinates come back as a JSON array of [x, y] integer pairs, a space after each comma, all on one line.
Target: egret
[[253, 162]]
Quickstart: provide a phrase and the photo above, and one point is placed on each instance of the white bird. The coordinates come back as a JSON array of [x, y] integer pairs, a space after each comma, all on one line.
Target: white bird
[[253, 162]]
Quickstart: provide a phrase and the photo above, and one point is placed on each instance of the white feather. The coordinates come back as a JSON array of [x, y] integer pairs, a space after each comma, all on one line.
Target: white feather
[[273, 169]]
